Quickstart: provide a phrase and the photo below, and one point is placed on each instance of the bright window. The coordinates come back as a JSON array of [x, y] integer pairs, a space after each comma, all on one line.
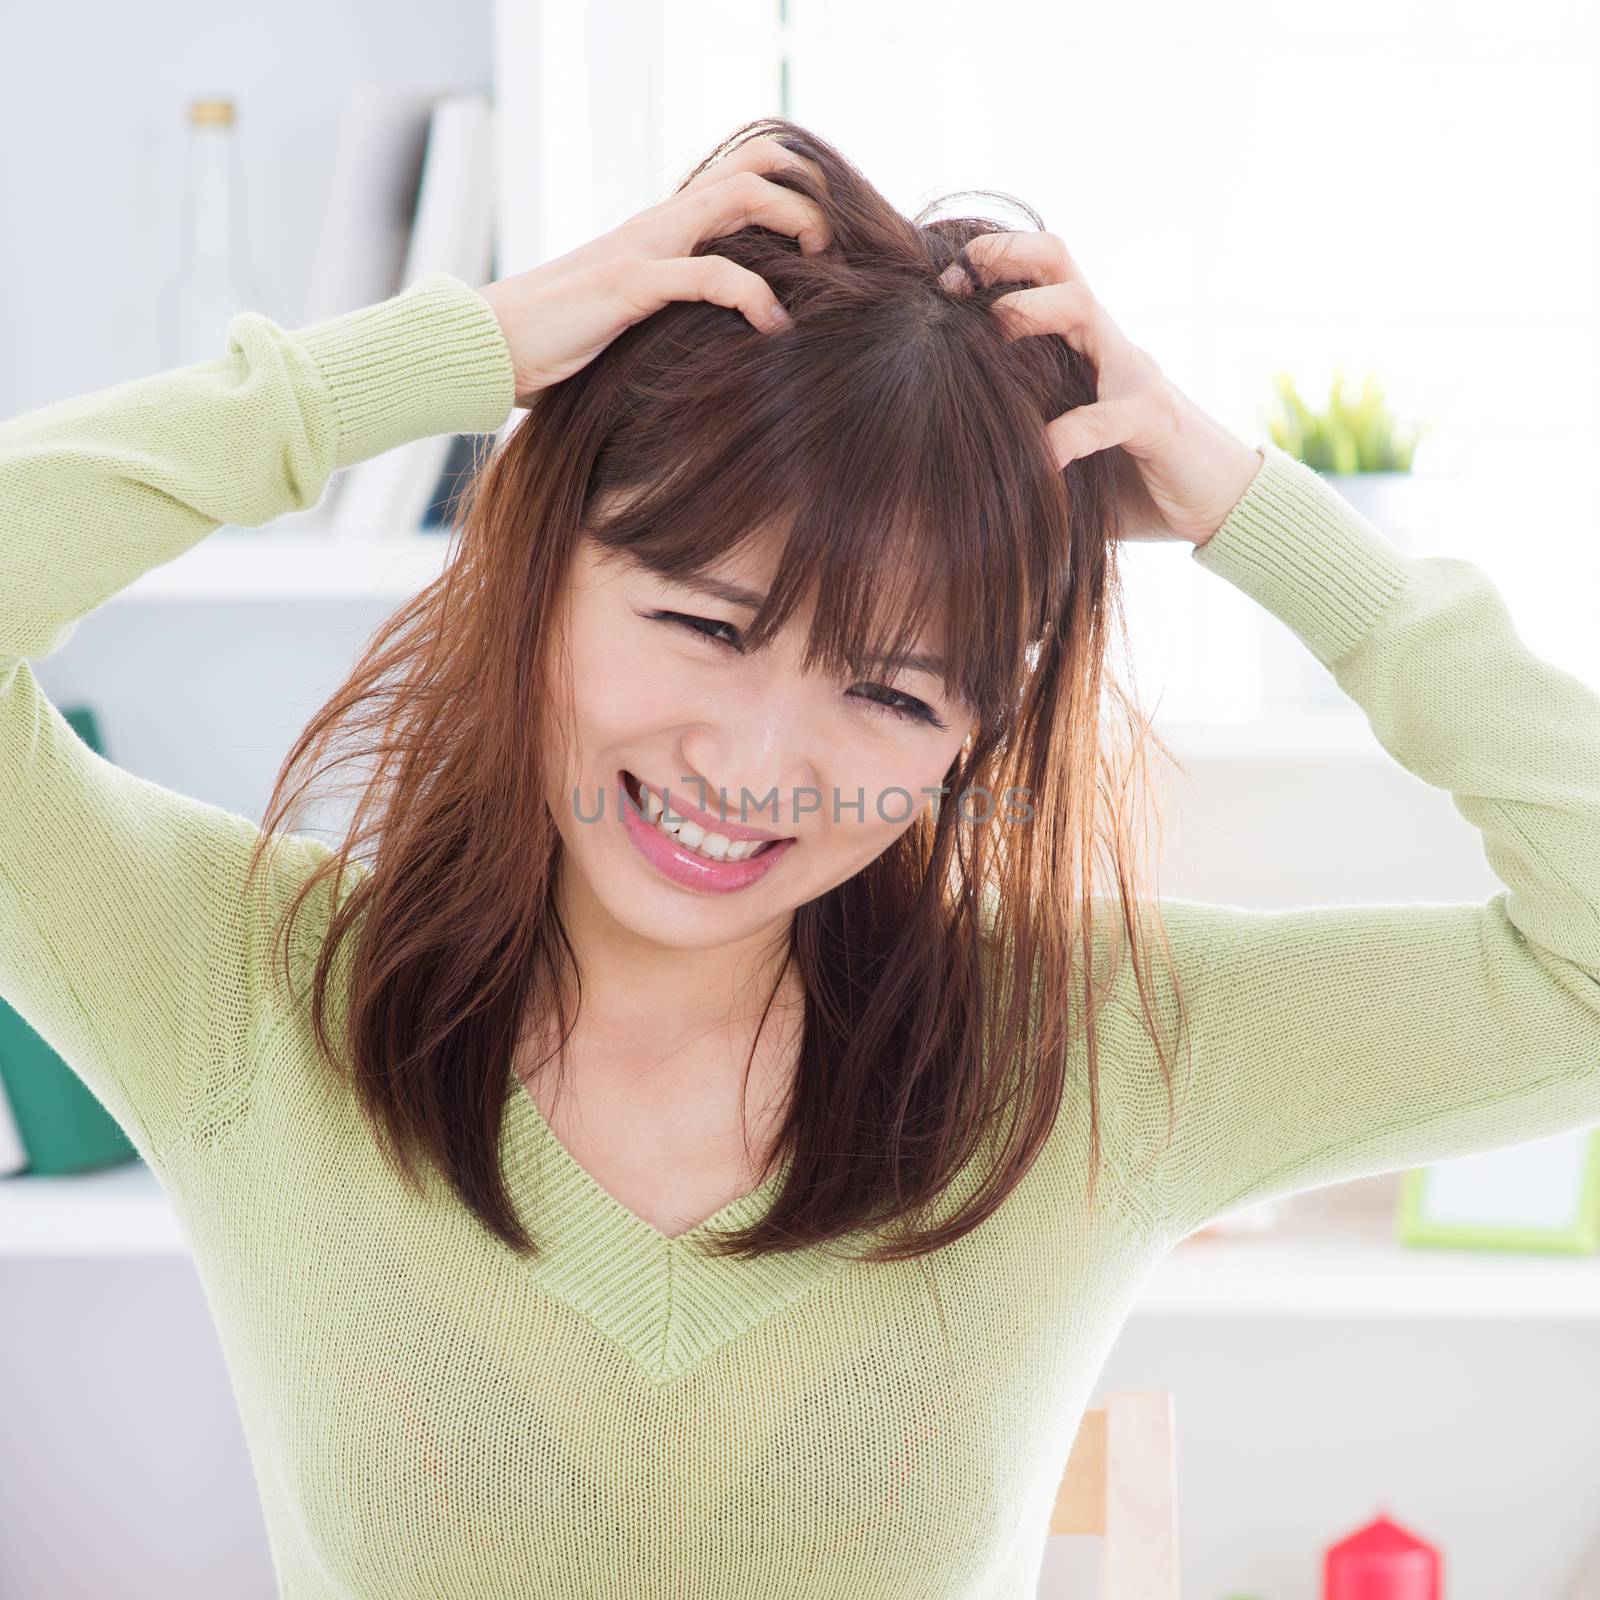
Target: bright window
[[1393, 185]]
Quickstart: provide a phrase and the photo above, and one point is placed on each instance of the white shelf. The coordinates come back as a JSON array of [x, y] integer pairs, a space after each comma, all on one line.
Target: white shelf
[[1333, 1254], [115, 1211], [268, 564], [1316, 732]]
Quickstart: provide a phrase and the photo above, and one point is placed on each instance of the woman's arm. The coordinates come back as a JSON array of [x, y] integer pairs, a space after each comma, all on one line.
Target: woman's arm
[[1334, 1042], [125, 939]]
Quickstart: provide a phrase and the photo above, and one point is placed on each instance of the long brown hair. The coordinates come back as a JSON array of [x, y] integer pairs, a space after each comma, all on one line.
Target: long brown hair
[[891, 429]]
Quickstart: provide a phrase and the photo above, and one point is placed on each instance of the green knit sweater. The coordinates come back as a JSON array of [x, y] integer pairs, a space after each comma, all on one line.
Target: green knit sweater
[[429, 1415]]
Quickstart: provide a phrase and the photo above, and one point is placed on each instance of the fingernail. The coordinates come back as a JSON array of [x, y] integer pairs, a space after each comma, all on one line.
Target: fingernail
[[777, 316], [952, 277]]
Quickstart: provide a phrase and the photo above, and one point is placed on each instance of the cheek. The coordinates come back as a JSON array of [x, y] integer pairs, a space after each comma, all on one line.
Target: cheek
[[601, 667], [621, 687], [892, 787]]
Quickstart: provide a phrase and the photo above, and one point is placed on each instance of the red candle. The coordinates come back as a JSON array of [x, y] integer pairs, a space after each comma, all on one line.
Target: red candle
[[1381, 1561]]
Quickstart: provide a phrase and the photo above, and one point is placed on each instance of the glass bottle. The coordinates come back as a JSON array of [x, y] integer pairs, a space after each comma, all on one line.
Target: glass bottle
[[210, 284]]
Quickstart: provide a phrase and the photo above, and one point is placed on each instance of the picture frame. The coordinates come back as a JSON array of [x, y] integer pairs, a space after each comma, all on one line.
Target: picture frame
[[1541, 1195]]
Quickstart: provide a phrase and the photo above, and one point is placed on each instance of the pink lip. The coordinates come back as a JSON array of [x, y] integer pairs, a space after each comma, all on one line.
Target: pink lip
[[687, 808], [683, 867]]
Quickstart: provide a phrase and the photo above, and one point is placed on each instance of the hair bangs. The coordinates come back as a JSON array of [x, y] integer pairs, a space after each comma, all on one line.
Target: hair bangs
[[906, 557]]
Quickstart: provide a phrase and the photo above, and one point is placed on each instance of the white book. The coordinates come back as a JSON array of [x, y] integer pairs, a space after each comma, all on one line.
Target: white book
[[452, 232], [371, 199], [367, 212]]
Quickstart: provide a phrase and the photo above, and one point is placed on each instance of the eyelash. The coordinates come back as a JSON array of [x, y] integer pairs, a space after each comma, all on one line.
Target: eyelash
[[910, 709]]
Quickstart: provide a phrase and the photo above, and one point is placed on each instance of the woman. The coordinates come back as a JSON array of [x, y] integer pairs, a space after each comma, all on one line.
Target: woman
[[630, 1329]]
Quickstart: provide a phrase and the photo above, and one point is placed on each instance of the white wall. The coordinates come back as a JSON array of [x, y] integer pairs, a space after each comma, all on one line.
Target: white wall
[[1293, 1432], [93, 100]]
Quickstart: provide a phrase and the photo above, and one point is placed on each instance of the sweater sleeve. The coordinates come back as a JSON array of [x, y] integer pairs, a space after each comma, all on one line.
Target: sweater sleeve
[[1333, 1042], [126, 940]]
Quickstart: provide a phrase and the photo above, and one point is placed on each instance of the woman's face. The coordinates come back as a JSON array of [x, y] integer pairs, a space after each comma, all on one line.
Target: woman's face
[[664, 696]]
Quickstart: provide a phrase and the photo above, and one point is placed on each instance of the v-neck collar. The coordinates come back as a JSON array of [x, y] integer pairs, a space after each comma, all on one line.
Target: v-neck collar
[[662, 1299]]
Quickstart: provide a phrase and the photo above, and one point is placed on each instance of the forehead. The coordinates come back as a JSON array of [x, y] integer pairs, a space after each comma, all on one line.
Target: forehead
[[741, 574]]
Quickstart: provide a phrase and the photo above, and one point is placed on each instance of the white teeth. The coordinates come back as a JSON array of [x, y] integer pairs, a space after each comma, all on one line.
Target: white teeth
[[714, 846]]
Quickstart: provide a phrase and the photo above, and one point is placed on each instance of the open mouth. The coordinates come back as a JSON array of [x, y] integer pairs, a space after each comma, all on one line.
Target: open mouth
[[701, 841]]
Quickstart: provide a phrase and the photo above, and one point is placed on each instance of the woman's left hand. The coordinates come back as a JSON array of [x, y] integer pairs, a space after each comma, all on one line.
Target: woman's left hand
[[1179, 472]]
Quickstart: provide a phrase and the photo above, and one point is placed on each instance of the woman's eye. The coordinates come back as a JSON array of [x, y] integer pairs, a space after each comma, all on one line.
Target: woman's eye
[[894, 703], [702, 626], [900, 705]]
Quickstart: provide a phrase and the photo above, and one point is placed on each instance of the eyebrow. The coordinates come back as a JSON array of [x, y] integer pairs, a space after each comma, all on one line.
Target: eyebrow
[[735, 594]]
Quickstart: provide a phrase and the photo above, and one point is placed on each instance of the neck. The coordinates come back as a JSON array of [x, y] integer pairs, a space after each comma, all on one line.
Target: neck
[[652, 1011]]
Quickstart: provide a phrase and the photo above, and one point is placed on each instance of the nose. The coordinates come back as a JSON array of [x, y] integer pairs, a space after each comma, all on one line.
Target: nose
[[754, 762]]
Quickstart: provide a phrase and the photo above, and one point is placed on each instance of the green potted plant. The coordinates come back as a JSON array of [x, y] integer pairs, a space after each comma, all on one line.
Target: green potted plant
[[1356, 444], [1350, 436]]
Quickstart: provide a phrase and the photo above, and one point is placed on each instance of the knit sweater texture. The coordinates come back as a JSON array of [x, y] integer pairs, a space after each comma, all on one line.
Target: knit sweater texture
[[429, 1415]]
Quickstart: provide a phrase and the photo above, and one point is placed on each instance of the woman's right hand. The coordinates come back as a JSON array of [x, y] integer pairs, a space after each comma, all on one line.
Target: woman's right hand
[[558, 316]]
